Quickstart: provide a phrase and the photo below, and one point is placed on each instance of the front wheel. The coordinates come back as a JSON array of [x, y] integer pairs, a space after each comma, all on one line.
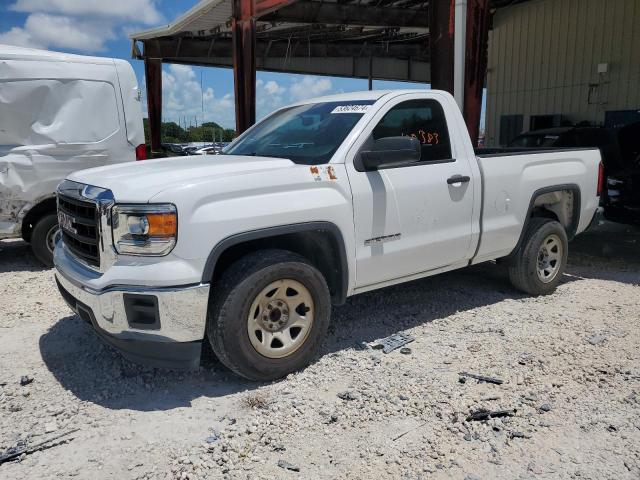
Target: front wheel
[[541, 259], [43, 238], [268, 315]]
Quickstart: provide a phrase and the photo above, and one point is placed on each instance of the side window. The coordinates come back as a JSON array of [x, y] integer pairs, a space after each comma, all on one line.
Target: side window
[[421, 119]]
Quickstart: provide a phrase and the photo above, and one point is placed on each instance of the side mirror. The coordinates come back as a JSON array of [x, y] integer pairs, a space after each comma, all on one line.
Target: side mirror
[[391, 152]]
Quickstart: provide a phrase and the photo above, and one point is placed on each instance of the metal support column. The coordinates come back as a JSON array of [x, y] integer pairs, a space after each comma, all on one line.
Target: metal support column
[[153, 79], [479, 18], [441, 26], [459, 48], [244, 63]]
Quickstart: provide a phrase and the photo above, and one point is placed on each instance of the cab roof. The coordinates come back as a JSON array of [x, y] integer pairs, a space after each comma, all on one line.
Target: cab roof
[[357, 96]]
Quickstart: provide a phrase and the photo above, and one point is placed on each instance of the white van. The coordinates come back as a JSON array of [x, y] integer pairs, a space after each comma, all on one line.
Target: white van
[[59, 113]]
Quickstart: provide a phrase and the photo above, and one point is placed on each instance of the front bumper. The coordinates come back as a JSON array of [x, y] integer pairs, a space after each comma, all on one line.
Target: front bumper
[[156, 326]]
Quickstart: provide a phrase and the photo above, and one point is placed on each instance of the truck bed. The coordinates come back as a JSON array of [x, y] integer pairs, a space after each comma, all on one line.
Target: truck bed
[[516, 181]]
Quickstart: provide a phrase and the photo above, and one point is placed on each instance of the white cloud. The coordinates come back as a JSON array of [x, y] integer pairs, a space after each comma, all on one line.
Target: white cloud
[[183, 98], [269, 97], [272, 88], [82, 25], [43, 30], [20, 37], [309, 87], [140, 11]]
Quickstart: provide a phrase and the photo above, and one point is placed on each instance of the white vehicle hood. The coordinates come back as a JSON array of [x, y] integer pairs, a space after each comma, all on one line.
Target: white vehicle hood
[[140, 181]]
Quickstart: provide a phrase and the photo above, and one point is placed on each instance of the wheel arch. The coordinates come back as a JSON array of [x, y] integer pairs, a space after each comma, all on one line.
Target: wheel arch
[[322, 243], [44, 207], [559, 202]]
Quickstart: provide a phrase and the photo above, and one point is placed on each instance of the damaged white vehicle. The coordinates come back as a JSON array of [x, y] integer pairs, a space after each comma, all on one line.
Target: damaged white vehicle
[[59, 113]]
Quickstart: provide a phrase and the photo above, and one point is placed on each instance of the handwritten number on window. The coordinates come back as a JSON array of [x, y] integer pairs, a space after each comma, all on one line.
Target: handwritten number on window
[[426, 138]]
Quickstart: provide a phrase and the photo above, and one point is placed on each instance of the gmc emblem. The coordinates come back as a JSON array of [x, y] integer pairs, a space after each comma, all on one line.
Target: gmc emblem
[[66, 222]]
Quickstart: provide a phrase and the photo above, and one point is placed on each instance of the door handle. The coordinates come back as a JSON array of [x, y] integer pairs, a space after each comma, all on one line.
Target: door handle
[[458, 179]]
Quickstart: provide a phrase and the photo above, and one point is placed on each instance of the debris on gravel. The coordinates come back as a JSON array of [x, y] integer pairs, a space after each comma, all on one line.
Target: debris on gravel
[[545, 407], [483, 414], [347, 395], [597, 339], [22, 448], [288, 466], [481, 378], [393, 342]]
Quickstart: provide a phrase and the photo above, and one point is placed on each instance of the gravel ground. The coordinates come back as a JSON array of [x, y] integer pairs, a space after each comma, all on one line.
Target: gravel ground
[[570, 364]]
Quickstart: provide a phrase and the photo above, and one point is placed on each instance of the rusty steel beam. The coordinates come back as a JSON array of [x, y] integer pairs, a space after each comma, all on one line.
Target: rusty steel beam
[[418, 71], [441, 25], [153, 79], [478, 19], [165, 48], [243, 26], [349, 14]]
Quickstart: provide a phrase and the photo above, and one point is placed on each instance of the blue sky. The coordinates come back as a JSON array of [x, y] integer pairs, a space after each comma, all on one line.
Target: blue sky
[[101, 27]]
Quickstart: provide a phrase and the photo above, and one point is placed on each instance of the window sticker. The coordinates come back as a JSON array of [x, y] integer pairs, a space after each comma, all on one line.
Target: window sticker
[[323, 172], [351, 109]]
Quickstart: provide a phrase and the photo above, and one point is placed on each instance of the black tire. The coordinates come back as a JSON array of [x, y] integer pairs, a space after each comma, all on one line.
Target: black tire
[[231, 301], [40, 238], [523, 270]]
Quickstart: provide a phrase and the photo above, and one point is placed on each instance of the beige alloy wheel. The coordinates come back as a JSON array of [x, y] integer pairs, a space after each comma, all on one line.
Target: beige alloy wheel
[[280, 318], [549, 258]]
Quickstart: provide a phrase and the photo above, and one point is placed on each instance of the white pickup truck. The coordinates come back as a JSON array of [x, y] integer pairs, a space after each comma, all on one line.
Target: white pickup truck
[[321, 200]]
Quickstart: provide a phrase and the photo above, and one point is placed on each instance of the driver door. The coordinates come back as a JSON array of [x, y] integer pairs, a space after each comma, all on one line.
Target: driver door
[[411, 219]]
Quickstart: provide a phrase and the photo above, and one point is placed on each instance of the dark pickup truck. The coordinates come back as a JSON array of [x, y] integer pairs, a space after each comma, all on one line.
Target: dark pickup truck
[[620, 149]]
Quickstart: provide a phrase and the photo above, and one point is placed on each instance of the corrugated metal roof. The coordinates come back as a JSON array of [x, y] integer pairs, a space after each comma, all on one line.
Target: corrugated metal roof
[[335, 37], [205, 16]]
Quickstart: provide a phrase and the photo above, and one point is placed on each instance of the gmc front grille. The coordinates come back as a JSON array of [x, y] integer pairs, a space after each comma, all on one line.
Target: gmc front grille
[[82, 236]]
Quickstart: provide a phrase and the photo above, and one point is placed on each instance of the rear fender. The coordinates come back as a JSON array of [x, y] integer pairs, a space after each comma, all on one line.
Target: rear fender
[[544, 197]]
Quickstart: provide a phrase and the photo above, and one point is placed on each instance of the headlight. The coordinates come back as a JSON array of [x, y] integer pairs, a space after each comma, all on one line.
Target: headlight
[[144, 229]]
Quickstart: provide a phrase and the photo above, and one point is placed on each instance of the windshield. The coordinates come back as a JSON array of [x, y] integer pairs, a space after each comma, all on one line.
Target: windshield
[[307, 134]]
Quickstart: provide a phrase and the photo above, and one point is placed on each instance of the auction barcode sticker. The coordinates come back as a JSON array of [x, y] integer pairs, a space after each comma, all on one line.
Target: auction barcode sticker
[[351, 109]]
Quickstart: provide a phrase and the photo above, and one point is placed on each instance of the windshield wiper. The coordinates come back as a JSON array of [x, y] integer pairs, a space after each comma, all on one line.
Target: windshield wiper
[[256, 154]]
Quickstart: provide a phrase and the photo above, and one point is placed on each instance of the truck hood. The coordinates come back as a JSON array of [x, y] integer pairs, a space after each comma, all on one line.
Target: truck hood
[[140, 181]]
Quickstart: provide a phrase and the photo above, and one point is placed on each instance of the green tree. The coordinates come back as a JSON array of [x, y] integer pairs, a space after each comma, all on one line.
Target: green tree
[[173, 130], [228, 135], [206, 133]]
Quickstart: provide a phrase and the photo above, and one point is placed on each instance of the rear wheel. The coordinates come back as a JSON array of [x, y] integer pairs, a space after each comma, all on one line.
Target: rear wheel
[[542, 258], [269, 314], [43, 238]]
